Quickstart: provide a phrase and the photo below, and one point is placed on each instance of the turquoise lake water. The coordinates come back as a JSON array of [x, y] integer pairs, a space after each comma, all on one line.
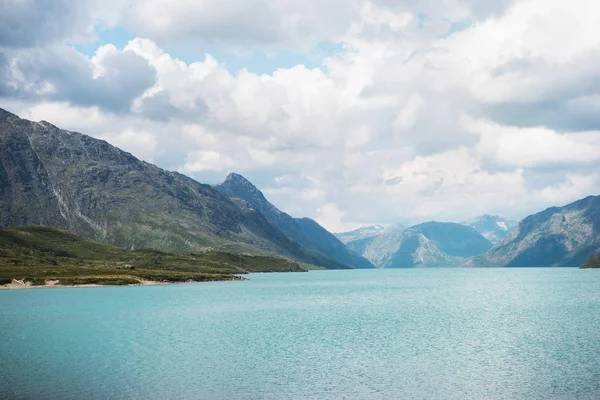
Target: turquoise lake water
[[383, 334]]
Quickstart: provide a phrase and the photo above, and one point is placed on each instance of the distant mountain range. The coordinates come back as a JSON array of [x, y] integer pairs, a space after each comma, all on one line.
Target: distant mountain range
[[304, 231], [557, 237], [71, 181], [431, 244], [492, 227], [360, 233]]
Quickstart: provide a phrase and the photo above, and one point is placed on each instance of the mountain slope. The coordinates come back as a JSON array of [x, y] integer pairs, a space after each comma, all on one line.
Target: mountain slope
[[306, 232], [492, 227], [360, 233], [330, 245], [71, 181], [557, 237], [405, 249], [454, 239], [36, 254], [593, 262], [432, 244]]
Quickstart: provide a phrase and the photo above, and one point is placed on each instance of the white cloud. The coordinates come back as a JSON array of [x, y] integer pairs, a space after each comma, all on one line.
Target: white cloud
[[331, 217], [534, 146], [408, 122], [140, 143], [206, 160]]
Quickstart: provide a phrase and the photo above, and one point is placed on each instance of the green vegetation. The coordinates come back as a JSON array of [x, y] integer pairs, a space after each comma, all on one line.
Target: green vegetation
[[36, 254], [593, 262]]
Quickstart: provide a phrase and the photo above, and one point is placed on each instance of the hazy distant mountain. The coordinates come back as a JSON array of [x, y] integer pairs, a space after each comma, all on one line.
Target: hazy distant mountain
[[492, 227], [454, 239], [360, 233], [305, 231], [432, 244], [557, 237], [325, 242], [67, 180]]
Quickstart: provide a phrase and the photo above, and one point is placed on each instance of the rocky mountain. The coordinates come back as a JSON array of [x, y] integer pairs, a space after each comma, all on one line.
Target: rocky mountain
[[360, 233], [454, 239], [492, 227], [556, 237], [304, 231], [432, 244], [71, 181]]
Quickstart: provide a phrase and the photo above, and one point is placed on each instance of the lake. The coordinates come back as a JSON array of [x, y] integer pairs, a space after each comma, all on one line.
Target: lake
[[378, 334]]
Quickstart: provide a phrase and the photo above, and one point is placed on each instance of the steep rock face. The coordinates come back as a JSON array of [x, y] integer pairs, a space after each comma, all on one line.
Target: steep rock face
[[557, 237], [328, 244], [492, 227], [26, 191], [306, 232], [360, 233], [433, 244], [64, 179], [406, 249], [454, 239]]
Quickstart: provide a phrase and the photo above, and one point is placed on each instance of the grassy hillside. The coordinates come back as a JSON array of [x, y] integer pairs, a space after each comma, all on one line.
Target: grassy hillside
[[37, 254], [593, 262]]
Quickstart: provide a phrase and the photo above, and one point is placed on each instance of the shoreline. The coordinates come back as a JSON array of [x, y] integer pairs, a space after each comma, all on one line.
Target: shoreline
[[50, 284]]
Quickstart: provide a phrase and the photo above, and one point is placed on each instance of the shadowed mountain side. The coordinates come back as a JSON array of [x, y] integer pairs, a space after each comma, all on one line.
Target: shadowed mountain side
[[328, 244], [307, 233]]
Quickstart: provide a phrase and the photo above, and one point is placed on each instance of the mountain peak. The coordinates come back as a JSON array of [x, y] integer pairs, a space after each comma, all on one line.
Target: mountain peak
[[234, 177], [492, 227]]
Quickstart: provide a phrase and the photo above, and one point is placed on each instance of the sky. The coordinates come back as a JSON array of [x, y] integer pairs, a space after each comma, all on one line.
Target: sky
[[349, 112]]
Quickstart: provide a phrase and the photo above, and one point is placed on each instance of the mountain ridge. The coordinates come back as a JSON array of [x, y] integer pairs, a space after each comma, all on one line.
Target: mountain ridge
[[305, 231], [72, 181], [492, 227], [565, 236], [430, 244]]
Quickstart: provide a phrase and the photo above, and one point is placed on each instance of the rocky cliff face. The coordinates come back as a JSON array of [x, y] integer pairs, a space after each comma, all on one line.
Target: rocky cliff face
[[304, 231], [67, 180], [432, 244], [454, 239], [360, 233], [492, 227], [557, 237]]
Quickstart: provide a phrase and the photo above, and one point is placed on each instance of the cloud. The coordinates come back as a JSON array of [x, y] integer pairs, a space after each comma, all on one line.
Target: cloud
[[431, 111], [534, 147], [28, 23], [111, 79]]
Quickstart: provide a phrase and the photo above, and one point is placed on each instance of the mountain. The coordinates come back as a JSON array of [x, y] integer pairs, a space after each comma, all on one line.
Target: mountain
[[454, 239], [556, 237], [432, 244], [360, 233], [492, 227], [36, 254], [326, 243], [593, 262], [305, 231], [404, 249], [71, 181]]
